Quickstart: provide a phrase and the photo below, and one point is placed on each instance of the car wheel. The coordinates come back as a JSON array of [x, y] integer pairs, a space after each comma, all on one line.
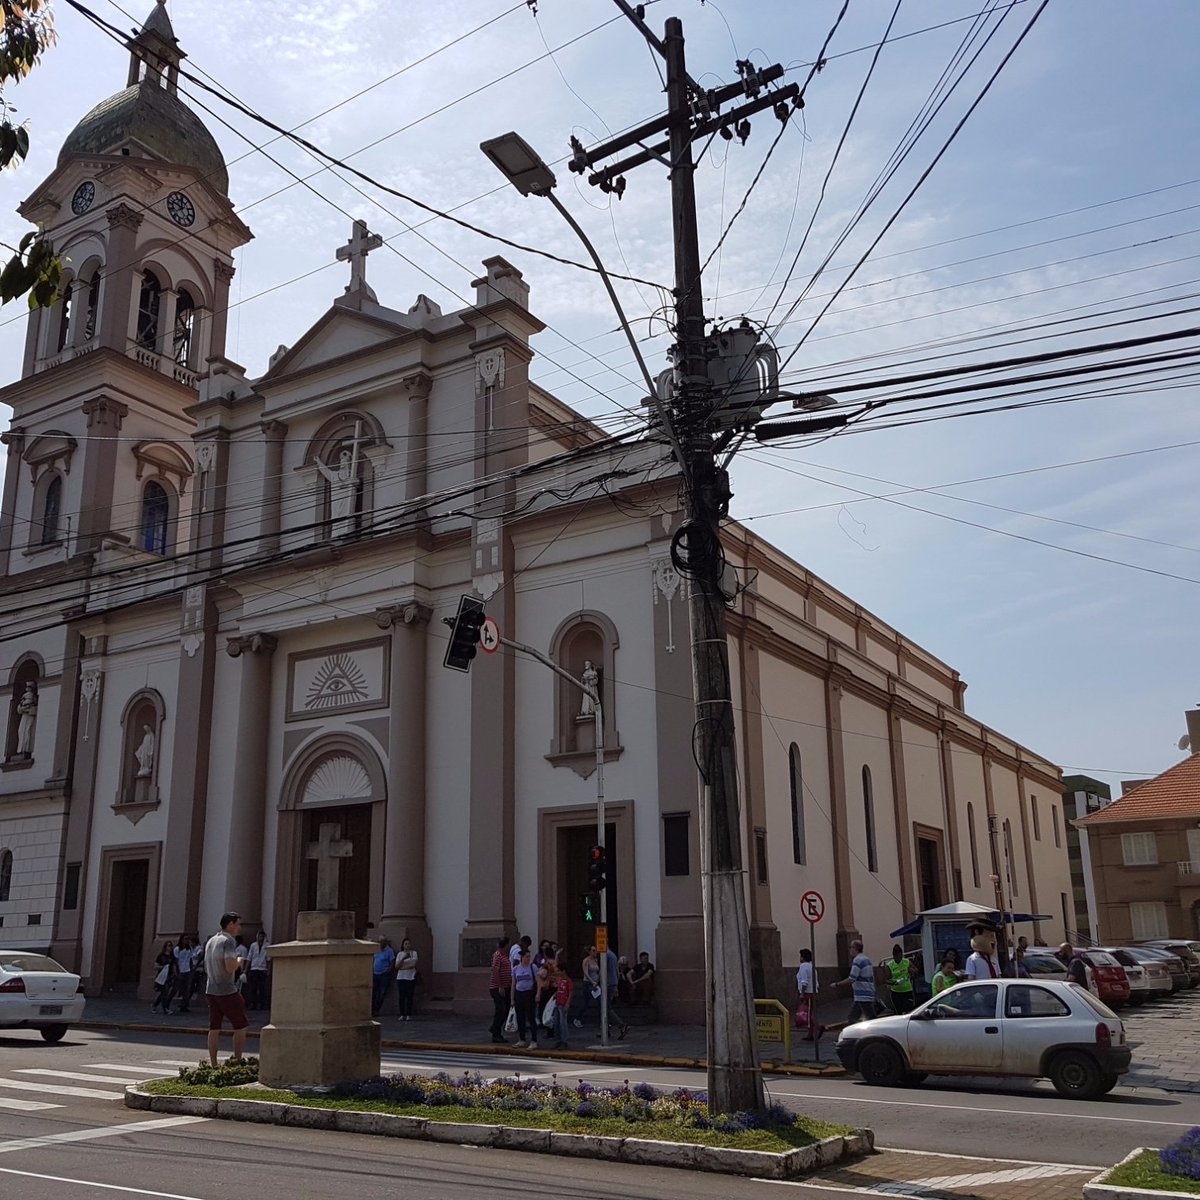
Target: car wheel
[[914, 1078], [1107, 1083], [880, 1063], [1076, 1075], [53, 1033]]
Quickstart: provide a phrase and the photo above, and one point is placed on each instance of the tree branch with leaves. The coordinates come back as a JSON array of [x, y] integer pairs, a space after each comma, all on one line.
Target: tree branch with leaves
[[27, 31]]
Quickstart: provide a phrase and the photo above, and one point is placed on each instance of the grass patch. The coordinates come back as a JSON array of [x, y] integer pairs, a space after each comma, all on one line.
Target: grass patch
[[1145, 1172], [776, 1139]]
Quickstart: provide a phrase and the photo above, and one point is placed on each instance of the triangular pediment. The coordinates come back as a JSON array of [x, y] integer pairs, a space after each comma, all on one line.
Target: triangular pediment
[[339, 333]]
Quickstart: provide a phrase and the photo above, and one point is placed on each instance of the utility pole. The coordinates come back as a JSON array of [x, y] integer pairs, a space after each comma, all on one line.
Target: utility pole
[[734, 1077]]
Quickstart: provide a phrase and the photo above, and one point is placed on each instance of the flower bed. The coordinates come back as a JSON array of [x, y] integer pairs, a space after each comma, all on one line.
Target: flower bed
[[1175, 1169], [638, 1111]]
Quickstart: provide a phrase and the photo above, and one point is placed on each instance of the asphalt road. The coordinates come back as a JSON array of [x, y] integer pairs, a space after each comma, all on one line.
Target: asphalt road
[[61, 1109]]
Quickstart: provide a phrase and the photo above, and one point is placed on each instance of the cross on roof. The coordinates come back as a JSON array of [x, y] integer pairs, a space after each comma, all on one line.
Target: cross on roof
[[327, 849], [355, 252]]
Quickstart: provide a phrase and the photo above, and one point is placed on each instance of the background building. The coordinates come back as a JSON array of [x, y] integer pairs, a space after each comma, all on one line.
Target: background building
[[1082, 795]]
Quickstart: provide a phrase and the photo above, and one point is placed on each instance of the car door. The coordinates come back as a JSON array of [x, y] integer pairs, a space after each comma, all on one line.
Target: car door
[[960, 1031], [1034, 1020]]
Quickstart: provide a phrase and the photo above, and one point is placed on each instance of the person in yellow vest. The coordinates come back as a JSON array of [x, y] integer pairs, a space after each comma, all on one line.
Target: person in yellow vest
[[900, 983]]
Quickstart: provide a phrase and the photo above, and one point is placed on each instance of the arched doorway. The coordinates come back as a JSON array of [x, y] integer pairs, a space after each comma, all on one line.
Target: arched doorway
[[336, 780]]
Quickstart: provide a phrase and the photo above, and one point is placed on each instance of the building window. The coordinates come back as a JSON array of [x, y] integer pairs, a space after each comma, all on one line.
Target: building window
[[1037, 820], [149, 308], [185, 325], [51, 510], [6, 864], [1010, 859], [1066, 915], [869, 820], [974, 844], [676, 848], [64, 319], [35, 918], [71, 886], [1139, 850], [796, 777], [93, 306], [1057, 826], [156, 518], [1148, 920], [760, 854]]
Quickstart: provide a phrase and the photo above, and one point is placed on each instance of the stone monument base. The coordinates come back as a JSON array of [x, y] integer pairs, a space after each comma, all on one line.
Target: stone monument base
[[321, 1031]]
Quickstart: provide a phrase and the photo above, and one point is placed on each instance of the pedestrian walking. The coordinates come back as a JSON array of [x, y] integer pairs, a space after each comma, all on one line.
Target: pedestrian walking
[[613, 976], [222, 960], [862, 985], [164, 978], [900, 980], [184, 982], [524, 995], [806, 987], [588, 995], [258, 973], [500, 989], [406, 979], [381, 979], [1077, 969], [563, 987]]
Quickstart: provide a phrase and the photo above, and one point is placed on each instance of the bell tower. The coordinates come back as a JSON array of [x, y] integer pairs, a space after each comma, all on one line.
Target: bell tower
[[99, 451]]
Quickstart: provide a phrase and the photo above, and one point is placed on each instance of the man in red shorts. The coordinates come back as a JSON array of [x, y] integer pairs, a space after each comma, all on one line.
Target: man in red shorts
[[222, 958]]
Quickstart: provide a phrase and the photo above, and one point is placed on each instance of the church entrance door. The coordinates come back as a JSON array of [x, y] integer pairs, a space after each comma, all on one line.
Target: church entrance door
[[354, 873], [128, 887], [574, 932]]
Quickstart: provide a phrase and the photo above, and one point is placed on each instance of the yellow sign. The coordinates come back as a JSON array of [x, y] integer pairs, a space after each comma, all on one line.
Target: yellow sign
[[602, 938], [769, 1027]]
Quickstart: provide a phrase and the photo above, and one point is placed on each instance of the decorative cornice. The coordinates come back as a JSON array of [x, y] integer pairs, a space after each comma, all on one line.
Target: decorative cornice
[[121, 216], [104, 410]]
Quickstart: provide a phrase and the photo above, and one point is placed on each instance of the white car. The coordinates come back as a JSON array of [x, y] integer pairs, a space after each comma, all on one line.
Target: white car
[[37, 993], [1014, 1027]]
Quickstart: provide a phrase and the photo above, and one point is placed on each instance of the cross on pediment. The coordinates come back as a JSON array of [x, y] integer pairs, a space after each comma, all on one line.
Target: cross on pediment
[[355, 252], [327, 849]]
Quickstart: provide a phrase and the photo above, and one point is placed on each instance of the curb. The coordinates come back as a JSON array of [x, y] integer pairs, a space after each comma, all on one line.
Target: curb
[[760, 1164], [1097, 1189], [829, 1070]]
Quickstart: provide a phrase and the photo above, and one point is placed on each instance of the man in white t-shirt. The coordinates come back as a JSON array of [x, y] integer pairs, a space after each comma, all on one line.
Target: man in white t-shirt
[[258, 972]]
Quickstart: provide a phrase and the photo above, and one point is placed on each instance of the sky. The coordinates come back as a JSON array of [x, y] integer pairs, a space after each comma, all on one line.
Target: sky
[[1050, 554]]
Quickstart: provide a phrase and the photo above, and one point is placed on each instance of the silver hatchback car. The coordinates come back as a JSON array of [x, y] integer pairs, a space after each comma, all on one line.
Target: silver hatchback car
[[1008, 1027]]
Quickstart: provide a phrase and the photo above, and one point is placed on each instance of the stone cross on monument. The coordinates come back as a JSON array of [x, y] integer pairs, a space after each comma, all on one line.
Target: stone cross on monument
[[327, 849], [355, 252]]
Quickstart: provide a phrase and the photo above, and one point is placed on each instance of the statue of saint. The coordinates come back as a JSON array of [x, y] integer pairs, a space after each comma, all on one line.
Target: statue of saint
[[343, 490], [26, 721], [590, 679], [145, 754]]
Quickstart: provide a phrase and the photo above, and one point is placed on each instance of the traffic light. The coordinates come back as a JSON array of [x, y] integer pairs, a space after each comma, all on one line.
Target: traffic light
[[597, 869], [464, 633], [589, 908]]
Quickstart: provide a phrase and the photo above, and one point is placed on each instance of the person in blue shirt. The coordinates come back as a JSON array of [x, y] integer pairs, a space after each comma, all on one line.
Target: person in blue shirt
[[385, 961], [862, 985], [613, 975]]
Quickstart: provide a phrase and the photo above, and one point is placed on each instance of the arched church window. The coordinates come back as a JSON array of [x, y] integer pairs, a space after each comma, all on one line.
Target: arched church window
[[796, 778], [869, 820], [51, 512], [93, 306], [343, 475], [149, 308], [6, 865], [156, 518], [64, 318], [23, 711], [185, 325], [1010, 859]]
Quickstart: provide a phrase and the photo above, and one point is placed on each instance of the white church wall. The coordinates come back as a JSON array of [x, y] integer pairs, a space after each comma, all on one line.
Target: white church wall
[[247, 469], [32, 831], [923, 791]]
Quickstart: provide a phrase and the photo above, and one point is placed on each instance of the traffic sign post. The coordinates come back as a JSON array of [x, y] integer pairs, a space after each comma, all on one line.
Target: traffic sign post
[[812, 909]]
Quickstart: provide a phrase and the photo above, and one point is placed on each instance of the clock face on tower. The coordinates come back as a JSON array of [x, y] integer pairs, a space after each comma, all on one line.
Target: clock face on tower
[[85, 193], [182, 211]]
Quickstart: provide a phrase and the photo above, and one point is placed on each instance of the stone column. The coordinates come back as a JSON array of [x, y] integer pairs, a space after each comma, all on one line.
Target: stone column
[[14, 441], [843, 889], [104, 419], [118, 290], [244, 889], [223, 273], [904, 833], [403, 913], [416, 465], [270, 515]]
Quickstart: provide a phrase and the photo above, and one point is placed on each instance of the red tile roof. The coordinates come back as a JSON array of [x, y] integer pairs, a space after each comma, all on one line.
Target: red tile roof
[[1174, 793]]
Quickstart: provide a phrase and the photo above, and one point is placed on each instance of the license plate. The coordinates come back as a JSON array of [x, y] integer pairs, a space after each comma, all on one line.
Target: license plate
[[50, 1010]]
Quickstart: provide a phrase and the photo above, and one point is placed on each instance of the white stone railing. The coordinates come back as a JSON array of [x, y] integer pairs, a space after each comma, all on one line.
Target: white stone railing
[[1189, 868], [147, 358]]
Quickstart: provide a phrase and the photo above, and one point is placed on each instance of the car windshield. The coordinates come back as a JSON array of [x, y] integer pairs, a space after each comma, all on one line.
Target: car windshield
[[966, 1002], [20, 961]]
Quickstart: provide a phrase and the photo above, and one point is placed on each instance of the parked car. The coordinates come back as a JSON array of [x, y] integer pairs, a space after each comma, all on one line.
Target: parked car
[[1180, 978], [1106, 976], [1136, 974], [37, 993], [1157, 970], [1009, 1027], [1183, 949]]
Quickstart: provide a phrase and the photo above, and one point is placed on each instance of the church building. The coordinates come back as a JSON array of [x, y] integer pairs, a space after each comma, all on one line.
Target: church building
[[224, 596]]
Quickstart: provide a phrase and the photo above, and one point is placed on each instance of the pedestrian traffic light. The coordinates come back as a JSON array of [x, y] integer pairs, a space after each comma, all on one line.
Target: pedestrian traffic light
[[589, 908], [464, 633], [597, 868]]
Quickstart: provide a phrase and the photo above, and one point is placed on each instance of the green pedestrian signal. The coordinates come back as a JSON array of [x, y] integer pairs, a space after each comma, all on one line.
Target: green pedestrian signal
[[589, 908]]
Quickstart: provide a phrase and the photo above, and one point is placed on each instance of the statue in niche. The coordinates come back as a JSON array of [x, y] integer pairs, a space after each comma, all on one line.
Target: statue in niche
[[26, 721], [144, 754], [590, 679], [343, 490]]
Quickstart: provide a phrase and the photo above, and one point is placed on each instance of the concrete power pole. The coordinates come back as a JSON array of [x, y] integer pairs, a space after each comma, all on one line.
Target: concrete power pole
[[734, 1077]]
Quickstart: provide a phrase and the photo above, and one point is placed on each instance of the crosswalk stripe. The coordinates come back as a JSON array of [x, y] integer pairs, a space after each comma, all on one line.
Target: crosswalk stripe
[[172, 1062], [141, 1072], [53, 1089], [25, 1105], [69, 1075]]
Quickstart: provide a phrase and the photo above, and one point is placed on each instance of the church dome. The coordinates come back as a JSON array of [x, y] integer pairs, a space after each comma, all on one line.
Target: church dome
[[148, 118]]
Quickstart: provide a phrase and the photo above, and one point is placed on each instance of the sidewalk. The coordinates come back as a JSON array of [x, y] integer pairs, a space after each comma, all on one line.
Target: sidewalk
[[643, 1045]]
